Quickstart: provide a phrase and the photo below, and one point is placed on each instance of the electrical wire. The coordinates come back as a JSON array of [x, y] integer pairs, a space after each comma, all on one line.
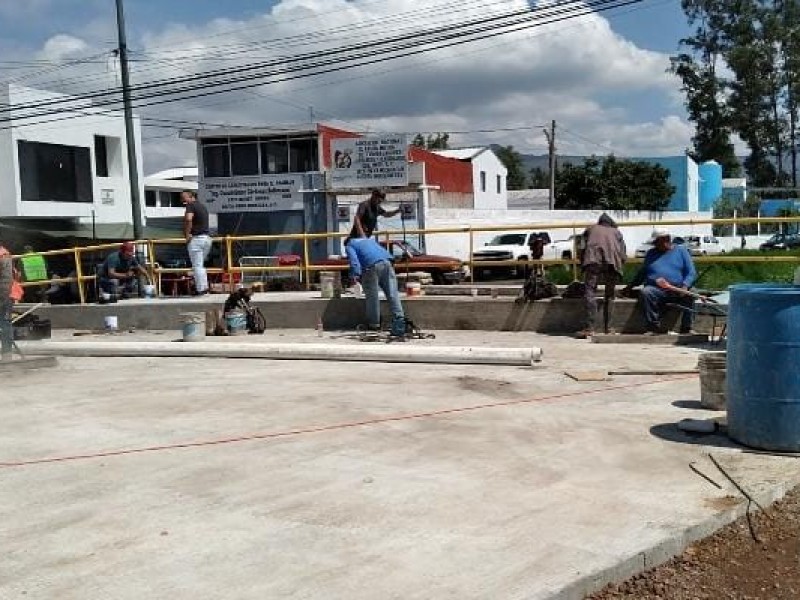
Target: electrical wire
[[319, 67]]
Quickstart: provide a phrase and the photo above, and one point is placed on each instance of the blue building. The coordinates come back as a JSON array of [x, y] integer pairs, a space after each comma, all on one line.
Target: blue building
[[684, 175]]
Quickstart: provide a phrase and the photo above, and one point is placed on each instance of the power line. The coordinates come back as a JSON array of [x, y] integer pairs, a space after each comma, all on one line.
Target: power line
[[330, 65]]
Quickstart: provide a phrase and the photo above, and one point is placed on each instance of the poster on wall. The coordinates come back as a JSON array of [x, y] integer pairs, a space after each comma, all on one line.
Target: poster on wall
[[266, 193], [369, 161]]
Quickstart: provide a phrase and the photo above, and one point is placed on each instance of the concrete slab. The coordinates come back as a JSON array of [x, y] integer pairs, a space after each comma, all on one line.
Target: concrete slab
[[302, 310], [197, 478]]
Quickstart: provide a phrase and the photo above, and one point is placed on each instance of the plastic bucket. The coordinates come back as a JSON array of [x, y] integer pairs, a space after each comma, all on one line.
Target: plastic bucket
[[413, 288], [712, 367], [149, 290], [194, 326], [327, 284], [111, 323], [236, 322]]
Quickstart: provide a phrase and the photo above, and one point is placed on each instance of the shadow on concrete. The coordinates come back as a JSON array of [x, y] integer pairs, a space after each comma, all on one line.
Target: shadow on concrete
[[670, 433], [690, 404]]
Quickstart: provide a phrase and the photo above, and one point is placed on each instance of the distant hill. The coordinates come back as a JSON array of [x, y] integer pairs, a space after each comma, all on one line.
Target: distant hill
[[542, 161]]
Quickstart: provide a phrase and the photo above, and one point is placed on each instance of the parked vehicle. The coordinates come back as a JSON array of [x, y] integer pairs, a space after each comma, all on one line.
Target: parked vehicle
[[641, 250], [506, 246], [563, 249], [443, 269], [702, 245], [782, 241]]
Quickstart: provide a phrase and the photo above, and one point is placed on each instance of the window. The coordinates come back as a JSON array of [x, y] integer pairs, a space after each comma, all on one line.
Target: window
[[483, 181], [100, 156], [150, 198], [244, 156], [216, 161], [274, 157], [170, 199], [55, 173], [302, 155], [499, 184]]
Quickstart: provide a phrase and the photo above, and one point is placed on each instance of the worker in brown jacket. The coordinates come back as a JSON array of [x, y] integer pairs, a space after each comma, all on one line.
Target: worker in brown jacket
[[6, 282], [603, 261]]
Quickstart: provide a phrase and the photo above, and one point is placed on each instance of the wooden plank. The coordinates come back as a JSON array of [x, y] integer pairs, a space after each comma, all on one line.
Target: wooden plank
[[588, 375]]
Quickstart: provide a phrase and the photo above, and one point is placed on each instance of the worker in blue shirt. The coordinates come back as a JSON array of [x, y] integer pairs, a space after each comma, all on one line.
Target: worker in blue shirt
[[371, 265], [667, 270]]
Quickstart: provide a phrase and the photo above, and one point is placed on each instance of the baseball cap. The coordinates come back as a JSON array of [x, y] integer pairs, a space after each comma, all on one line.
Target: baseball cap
[[659, 233]]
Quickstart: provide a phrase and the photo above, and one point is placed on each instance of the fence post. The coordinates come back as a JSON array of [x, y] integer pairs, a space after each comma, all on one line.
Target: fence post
[[151, 251], [574, 254], [79, 274], [469, 257], [306, 263], [229, 269]]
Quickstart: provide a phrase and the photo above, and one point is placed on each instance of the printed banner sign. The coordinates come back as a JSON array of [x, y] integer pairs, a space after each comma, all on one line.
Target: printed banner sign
[[370, 161], [264, 193]]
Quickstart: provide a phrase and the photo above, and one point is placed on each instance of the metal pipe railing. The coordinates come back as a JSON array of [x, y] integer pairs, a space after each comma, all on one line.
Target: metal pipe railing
[[306, 267]]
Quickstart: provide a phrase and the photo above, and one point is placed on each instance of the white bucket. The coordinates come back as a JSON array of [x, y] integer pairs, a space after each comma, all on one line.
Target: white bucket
[[111, 323], [413, 288], [194, 326], [149, 290], [327, 284], [236, 322], [713, 370]]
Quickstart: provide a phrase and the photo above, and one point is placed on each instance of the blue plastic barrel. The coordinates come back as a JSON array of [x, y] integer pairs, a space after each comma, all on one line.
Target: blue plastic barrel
[[763, 366]]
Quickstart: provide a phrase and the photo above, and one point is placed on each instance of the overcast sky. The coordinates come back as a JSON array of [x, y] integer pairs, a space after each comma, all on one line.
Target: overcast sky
[[602, 77]]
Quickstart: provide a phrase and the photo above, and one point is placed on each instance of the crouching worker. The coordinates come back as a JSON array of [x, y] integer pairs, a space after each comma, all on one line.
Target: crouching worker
[[121, 271], [667, 274], [371, 265]]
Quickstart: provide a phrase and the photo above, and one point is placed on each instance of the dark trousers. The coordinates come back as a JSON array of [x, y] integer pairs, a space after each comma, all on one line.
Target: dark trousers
[[6, 328], [654, 299], [593, 275]]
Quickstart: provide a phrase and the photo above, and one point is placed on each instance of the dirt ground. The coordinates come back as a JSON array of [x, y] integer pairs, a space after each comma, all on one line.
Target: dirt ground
[[729, 565]]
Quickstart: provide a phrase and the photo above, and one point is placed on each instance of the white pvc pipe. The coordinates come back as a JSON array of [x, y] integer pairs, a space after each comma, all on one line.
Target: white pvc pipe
[[345, 352]]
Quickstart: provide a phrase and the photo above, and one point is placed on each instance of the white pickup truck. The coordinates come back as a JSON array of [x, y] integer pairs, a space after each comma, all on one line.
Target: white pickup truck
[[506, 246]]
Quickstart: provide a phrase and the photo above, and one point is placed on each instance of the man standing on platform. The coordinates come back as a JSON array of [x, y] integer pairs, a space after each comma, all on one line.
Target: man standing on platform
[[198, 241], [603, 260], [366, 219]]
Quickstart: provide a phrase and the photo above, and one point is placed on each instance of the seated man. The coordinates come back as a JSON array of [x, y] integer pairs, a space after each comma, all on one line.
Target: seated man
[[371, 265], [120, 272], [667, 269]]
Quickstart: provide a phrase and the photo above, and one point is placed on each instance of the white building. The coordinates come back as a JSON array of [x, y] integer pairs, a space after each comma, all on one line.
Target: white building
[[67, 170], [488, 176]]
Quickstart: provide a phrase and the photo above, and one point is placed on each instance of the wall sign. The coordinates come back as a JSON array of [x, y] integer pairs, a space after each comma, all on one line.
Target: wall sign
[[370, 161], [263, 193]]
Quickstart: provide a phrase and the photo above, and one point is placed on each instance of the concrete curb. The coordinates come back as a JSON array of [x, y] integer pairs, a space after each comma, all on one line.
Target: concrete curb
[[668, 548]]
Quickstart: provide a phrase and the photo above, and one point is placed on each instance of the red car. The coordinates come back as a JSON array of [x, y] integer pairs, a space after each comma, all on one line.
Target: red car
[[443, 269]]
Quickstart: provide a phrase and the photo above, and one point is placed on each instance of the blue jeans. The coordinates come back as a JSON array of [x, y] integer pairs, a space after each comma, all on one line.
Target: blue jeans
[[6, 328], [653, 301], [199, 248], [381, 275]]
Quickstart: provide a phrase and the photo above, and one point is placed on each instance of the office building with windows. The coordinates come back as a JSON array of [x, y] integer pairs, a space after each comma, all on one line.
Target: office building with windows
[[63, 166]]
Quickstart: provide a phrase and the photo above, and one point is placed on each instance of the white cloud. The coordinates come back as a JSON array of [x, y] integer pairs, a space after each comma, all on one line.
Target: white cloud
[[63, 46], [579, 72]]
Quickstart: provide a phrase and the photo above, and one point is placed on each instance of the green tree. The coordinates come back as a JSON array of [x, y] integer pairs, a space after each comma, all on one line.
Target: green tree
[[697, 69], [511, 159], [613, 184], [438, 141], [539, 178]]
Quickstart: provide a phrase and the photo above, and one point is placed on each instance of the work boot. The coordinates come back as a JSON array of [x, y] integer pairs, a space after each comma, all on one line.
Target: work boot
[[584, 334]]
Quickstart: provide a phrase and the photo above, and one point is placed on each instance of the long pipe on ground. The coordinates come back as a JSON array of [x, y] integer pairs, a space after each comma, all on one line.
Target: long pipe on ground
[[342, 352]]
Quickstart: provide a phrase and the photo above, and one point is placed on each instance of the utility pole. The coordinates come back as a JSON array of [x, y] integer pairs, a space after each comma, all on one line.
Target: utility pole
[[130, 137], [550, 134]]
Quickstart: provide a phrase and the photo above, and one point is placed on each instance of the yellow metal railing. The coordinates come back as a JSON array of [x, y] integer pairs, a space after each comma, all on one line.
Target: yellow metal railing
[[305, 267]]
